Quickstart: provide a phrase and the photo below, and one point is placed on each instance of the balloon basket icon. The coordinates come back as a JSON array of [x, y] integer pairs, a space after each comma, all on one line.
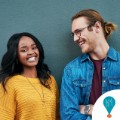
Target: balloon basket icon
[[109, 115]]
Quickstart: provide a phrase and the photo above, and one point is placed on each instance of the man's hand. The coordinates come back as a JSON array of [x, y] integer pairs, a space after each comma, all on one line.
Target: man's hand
[[82, 108]]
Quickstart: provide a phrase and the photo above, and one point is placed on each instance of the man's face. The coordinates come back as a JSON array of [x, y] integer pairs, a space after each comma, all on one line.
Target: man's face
[[83, 35]]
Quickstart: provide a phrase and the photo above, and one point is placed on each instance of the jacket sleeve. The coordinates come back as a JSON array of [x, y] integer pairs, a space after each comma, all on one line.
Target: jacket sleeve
[[7, 103], [69, 103]]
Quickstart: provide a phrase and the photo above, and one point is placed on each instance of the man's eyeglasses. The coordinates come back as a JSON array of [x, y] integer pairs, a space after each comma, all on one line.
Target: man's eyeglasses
[[79, 31]]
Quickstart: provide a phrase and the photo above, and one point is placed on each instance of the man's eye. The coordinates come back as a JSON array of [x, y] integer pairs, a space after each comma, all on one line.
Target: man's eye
[[72, 34], [78, 31]]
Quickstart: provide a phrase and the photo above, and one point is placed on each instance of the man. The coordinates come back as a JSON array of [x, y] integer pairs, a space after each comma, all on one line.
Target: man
[[93, 73]]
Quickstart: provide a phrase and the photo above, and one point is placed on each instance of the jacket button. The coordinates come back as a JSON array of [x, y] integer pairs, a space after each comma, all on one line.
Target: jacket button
[[104, 68]]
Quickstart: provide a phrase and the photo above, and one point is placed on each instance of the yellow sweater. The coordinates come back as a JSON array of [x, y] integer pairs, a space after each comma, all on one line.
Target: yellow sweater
[[27, 99]]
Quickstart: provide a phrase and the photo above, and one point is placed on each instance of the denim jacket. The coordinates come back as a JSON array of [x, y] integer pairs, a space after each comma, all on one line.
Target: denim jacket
[[77, 81]]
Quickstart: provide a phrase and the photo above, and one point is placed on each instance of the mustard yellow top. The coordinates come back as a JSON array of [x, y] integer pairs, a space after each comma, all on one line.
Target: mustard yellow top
[[27, 99]]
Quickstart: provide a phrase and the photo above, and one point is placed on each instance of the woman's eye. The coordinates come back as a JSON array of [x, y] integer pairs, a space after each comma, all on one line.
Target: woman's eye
[[23, 50], [34, 48]]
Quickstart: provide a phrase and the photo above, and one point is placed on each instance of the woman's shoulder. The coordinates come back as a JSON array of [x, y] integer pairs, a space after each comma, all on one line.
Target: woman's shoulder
[[52, 82], [11, 82], [14, 79], [52, 79]]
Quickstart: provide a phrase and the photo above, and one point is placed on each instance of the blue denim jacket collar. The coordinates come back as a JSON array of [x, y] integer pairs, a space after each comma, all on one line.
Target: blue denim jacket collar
[[111, 54]]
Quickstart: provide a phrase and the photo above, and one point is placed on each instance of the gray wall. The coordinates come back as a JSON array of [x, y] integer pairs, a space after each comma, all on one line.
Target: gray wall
[[50, 22]]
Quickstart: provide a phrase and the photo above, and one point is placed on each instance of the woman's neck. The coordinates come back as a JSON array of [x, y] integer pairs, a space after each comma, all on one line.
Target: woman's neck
[[30, 72]]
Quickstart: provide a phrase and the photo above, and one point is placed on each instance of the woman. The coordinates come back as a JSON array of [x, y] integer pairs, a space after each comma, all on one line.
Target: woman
[[27, 91]]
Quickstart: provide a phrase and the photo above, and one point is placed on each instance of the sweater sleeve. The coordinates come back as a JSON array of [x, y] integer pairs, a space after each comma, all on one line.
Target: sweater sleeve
[[56, 91], [7, 103], [57, 103]]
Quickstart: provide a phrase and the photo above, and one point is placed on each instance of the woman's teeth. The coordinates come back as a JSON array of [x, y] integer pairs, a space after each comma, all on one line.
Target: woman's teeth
[[31, 59]]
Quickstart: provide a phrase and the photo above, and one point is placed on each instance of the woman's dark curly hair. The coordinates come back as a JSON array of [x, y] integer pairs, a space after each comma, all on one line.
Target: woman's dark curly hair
[[11, 66]]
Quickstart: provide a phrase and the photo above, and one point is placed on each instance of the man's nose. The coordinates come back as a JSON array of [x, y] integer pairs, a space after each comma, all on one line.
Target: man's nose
[[76, 38]]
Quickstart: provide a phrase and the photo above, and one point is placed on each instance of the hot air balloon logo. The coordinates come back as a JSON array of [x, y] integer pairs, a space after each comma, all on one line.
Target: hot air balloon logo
[[109, 103]]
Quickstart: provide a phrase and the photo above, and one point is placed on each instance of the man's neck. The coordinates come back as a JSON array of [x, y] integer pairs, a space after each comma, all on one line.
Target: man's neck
[[100, 52]]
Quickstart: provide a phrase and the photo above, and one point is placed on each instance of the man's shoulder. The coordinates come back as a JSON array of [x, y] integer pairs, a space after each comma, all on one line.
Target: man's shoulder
[[114, 54], [75, 62]]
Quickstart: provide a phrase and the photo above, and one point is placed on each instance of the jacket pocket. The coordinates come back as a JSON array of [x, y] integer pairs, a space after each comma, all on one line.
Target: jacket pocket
[[82, 89], [114, 83]]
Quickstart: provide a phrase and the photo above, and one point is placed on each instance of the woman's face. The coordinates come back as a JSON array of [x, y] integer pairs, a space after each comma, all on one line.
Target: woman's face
[[28, 53]]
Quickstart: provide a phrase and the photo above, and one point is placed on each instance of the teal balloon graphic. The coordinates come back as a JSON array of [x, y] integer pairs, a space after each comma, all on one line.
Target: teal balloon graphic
[[109, 103]]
